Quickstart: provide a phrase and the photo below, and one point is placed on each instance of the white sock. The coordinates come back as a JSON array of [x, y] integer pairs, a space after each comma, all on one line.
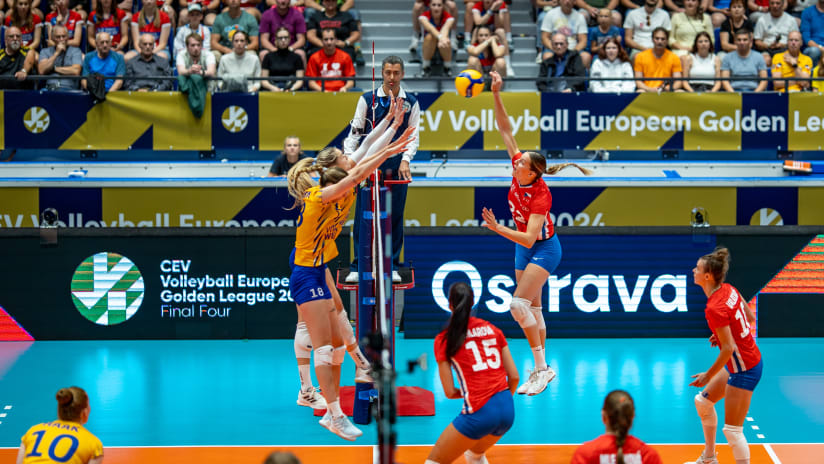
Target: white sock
[[506, 60], [509, 37], [427, 63], [540, 358], [305, 376], [358, 357], [334, 408]]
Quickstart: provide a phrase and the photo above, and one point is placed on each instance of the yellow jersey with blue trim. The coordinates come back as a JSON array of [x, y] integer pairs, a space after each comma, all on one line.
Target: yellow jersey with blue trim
[[60, 441], [318, 227]]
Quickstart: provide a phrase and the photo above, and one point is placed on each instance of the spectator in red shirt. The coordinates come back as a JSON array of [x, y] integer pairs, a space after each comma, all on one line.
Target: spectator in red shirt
[[330, 61], [61, 14], [436, 24], [419, 9], [21, 16], [616, 443], [283, 15], [107, 17], [151, 20]]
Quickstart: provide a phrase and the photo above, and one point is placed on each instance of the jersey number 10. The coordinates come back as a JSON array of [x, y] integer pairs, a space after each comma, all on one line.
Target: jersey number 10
[[491, 352], [742, 318]]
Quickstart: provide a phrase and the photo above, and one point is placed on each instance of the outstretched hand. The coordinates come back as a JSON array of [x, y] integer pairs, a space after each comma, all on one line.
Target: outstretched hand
[[398, 113], [497, 81], [400, 144], [700, 380], [489, 219], [713, 340]]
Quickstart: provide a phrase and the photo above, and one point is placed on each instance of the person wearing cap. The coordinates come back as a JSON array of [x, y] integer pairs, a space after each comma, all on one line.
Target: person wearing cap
[[194, 26]]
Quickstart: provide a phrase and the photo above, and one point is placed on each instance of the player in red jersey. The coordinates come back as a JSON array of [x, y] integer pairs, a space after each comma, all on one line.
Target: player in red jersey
[[537, 249], [729, 319], [487, 376], [613, 446]]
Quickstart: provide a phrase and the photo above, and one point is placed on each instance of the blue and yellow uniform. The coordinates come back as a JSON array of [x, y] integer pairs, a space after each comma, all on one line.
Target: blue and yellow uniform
[[60, 441], [318, 227]]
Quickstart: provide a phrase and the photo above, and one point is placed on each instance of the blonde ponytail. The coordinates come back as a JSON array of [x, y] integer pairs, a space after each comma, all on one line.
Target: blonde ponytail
[[299, 179]]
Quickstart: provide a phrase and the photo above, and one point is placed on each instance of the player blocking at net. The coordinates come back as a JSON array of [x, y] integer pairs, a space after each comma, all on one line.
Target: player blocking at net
[[324, 209]]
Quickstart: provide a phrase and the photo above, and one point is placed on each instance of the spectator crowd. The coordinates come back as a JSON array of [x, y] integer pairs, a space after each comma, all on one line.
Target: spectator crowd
[[291, 45]]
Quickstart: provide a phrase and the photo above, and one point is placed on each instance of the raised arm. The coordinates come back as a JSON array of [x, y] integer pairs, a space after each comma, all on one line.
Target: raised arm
[[378, 131], [527, 239], [501, 117]]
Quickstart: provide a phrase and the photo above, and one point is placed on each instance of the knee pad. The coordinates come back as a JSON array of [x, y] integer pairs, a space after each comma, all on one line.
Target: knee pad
[[323, 355], [737, 441], [337, 355], [521, 312], [345, 328], [706, 410], [538, 314], [303, 344]]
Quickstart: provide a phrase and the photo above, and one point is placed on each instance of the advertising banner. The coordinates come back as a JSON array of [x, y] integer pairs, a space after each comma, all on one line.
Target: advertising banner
[[150, 286], [193, 207], [163, 121]]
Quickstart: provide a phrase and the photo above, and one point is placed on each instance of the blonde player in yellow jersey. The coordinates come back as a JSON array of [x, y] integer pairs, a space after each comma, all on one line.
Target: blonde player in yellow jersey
[[324, 210], [64, 440]]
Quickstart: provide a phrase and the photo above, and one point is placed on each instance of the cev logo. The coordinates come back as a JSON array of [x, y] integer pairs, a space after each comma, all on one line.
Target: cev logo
[[36, 120], [766, 217], [234, 119], [107, 288]]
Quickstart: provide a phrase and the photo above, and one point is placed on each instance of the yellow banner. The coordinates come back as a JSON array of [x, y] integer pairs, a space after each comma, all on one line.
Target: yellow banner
[[317, 118], [806, 122]]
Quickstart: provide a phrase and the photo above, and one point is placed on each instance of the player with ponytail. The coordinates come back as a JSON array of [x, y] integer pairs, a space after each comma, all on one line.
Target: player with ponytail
[[480, 357], [324, 209], [537, 249], [616, 444], [65, 439]]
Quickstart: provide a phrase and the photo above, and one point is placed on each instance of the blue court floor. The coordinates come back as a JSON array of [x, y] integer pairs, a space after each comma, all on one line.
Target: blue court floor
[[166, 393]]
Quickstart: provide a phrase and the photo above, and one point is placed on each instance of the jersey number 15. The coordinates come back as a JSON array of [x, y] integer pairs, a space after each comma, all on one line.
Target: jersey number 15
[[491, 354]]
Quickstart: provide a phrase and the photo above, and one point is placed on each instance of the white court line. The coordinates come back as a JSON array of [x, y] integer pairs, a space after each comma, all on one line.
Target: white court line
[[772, 454], [8, 406], [755, 427], [2, 414], [750, 419]]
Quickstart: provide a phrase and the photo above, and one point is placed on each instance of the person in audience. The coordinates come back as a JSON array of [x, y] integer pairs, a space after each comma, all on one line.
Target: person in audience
[[495, 15], [616, 444], [758, 9], [674, 6], [791, 63], [563, 63], [818, 73], [195, 59], [686, 26], [702, 66], [418, 9], [290, 155], [283, 16], [589, 10], [104, 62], [151, 20], [795, 8], [640, 23], [61, 14], [436, 24], [569, 22], [72, 414], [107, 17], [146, 66], [486, 52], [812, 29], [612, 61], [20, 15], [237, 67], [737, 21], [282, 62], [61, 60], [659, 63], [330, 61], [771, 31], [211, 8], [344, 25], [226, 23], [598, 35], [541, 7], [16, 60], [194, 17], [744, 63], [719, 10]]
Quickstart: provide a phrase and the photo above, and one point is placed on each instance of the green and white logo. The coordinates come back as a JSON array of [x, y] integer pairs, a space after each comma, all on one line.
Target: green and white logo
[[107, 288]]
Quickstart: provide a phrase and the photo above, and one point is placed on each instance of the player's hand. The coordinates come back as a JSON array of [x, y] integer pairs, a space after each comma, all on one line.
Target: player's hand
[[391, 112], [497, 82], [398, 111], [404, 172], [400, 144], [489, 219], [700, 380], [713, 340]]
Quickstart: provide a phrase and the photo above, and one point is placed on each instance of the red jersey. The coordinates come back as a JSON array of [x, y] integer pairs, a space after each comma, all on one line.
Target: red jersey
[[26, 32], [525, 200], [74, 19], [150, 28], [480, 7], [725, 307], [337, 65], [477, 363], [603, 449], [110, 25], [428, 15]]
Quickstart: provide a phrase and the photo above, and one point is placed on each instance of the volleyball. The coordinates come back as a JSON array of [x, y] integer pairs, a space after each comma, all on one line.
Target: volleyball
[[469, 83]]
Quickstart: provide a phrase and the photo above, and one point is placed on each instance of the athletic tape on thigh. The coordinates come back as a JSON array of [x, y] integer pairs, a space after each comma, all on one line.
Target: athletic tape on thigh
[[521, 312], [303, 343], [323, 355], [738, 442], [337, 355], [538, 313], [346, 328]]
